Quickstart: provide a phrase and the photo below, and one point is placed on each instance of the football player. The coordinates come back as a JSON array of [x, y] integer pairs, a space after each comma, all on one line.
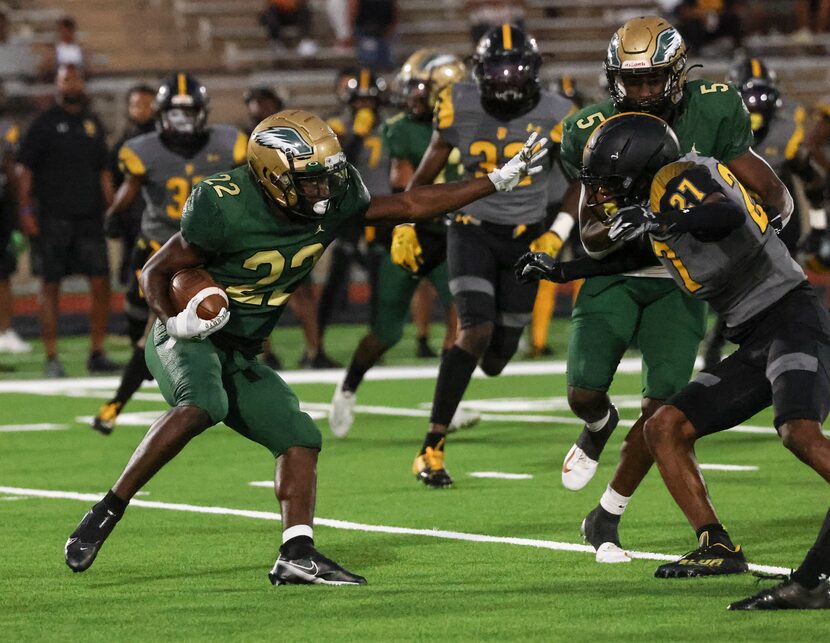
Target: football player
[[163, 166], [778, 127], [486, 120], [258, 231], [646, 69], [417, 251], [721, 246], [362, 94]]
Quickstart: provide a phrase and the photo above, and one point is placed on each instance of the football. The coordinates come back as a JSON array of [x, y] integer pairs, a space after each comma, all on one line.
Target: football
[[188, 283]]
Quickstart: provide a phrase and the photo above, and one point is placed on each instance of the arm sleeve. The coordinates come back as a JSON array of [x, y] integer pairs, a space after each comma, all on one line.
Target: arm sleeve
[[394, 145], [202, 223], [634, 256]]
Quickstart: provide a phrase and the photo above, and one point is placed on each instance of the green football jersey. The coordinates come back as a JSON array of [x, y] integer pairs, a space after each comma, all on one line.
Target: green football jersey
[[408, 140], [256, 253], [710, 120]]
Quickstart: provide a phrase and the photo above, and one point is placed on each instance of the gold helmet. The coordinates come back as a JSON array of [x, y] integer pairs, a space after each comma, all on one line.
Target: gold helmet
[[646, 49], [423, 76], [299, 163]]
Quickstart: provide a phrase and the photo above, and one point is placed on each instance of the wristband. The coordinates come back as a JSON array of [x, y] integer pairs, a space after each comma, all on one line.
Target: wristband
[[562, 225]]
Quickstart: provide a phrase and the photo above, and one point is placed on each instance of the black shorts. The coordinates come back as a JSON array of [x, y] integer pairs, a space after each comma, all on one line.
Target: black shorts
[[483, 284], [69, 247], [135, 305], [783, 359], [8, 260]]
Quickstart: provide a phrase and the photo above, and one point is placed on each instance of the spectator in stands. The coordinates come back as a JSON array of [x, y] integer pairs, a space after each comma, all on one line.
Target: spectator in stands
[[62, 166], [10, 341], [141, 117], [374, 23], [261, 101], [486, 14], [812, 16], [338, 14], [66, 50], [706, 24], [17, 60], [287, 22]]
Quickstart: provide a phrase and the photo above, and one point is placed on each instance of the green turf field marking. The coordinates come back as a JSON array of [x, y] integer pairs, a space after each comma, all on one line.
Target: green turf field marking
[[356, 526]]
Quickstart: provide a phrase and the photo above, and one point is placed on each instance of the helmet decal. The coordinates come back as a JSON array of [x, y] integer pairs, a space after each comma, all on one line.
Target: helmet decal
[[613, 57], [284, 139], [668, 43]]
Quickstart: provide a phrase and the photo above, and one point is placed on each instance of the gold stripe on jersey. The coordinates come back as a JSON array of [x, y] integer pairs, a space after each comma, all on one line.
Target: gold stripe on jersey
[[182, 85], [507, 36], [12, 135], [130, 163], [240, 149], [662, 178], [793, 145], [446, 110]]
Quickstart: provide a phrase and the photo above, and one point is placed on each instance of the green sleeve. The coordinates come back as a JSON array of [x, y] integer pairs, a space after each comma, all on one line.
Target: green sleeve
[[394, 143], [735, 130], [202, 222], [571, 151]]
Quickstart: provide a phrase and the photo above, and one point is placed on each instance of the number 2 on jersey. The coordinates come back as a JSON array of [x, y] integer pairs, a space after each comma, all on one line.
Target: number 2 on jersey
[[664, 250], [490, 152], [275, 261]]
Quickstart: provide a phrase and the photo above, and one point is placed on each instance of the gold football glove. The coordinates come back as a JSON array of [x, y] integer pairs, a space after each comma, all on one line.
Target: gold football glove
[[406, 249], [549, 242]]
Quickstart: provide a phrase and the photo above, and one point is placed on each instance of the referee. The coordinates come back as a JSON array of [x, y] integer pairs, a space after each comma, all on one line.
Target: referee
[[62, 166]]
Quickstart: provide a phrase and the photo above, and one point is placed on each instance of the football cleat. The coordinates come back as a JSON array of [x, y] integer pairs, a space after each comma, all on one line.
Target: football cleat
[[600, 531], [582, 460], [462, 419], [11, 342], [341, 412], [85, 542], [788, 595], [714, 559], [104, 422], [311, 568], [429, 467]]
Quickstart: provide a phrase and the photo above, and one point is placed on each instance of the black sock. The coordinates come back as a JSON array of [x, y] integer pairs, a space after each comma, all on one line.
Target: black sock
[[433, 441], [354, 376], [135, 373], [607, 516], [114, 504], [454, 375], [716, 534], [297, 546], [816, 564]]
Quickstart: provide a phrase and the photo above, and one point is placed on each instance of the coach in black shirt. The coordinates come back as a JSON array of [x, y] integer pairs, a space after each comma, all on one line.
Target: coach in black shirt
[[63, 165]]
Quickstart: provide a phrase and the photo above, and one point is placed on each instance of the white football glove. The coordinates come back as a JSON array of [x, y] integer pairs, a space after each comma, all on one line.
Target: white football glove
[[188, 325], [525, 163]]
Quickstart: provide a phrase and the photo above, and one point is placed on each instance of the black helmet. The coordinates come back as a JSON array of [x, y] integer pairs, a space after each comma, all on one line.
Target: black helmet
[[565, 86], [744, 69], [756, 84], [182, 105], [354, 84], [506, 69], [623, 155]]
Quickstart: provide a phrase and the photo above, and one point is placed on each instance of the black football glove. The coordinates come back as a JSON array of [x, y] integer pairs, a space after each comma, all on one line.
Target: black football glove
[[534, 266], [632, 222], [775, 218]]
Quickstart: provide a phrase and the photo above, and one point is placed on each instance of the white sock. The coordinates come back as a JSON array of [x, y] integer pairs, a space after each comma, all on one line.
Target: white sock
[[596, 426], [297, 530], [613, 502]]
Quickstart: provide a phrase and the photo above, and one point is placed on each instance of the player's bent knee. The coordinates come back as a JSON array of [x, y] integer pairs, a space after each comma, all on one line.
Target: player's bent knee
[[799, 436], [475, 339], [668, 426], [493, 365], [585, 402]]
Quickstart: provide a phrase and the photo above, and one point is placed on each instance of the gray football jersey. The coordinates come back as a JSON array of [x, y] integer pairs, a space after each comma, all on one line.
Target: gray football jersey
[[784, 137], [372, 160], [743, 273], [486, 143], [167, 177]]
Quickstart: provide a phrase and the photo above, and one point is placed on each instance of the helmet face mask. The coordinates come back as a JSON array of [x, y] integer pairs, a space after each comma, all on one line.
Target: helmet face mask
[[762, 101], [621, 158], [182, 110], [417, 96], [506, 70], [646, 66], [298, 162]]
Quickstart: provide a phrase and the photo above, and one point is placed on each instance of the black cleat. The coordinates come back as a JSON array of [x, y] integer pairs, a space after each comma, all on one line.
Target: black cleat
[[311, 568], [428, 468], [319, 361], [600, 530], [424, 350], [100, 363], [85, 542], [788, 595], [716, 559]]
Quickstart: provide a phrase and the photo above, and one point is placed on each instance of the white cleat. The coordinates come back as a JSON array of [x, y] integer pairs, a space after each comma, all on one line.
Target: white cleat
[[341, 413], [463, 420], [612, 554], [11, 342], [577, 469]]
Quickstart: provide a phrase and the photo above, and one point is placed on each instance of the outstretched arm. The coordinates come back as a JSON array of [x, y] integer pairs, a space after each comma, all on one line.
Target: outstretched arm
[[432, 162]]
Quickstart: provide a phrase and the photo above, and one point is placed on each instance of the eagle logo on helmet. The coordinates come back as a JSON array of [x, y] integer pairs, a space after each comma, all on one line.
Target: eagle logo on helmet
[[284, 139]]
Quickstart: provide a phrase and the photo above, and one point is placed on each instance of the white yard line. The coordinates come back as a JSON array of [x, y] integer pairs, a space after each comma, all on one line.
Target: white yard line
[[500, 475], [356, 526], [727, 467], [22, 428]]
